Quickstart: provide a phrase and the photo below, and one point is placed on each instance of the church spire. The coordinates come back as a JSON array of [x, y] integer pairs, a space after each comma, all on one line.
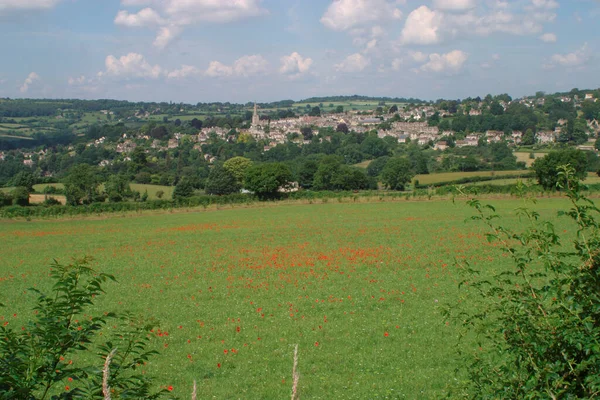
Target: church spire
[[255, 117]]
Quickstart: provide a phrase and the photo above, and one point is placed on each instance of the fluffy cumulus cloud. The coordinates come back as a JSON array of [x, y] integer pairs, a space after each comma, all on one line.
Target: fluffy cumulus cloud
[[342, 15], [418, 56], [169, 17], [242, 67], [422, 27], [132, 65], [574, 59], [454, 4], [295, 65], [185, 71], [450, 19], [548, 37], [353, 63], [31, 79], [146, 17], [450, 63], [22, 5]]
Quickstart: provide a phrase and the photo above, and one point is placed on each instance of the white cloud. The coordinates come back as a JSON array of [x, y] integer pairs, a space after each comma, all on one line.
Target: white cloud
[[77, 81], [30, 80], [242, 67], [134, 3], [24, 5], [342, 15], [295, 64], [451, 62], [418, 56], [451, 19], [132, 65], [548, 4], [548, 38], [146, 17], [169, 17], [574, 59], [165, 35], [184, 72], [454, 5], [216, 69], [422, 27], [397, 64], [353, 63]]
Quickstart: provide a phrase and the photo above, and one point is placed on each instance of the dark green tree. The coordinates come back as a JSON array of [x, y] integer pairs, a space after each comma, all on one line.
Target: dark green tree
[[306, 173], [373, 147], [20, 196], [342, 127], [376, 166], [528, 138], [220, 181], [183, 189], [117, 188], [266, 179], [547, 168], [24, 179], [81, 185], [397, 173]]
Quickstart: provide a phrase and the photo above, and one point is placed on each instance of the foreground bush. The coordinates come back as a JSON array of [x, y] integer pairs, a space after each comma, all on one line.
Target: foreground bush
[[35, 361], [538, 323]]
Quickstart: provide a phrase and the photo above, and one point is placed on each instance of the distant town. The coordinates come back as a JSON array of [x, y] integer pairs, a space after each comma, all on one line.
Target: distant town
[[167, 143]]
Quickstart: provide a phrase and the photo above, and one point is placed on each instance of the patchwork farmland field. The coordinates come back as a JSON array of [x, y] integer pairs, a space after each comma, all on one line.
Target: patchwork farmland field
[[360, 288]]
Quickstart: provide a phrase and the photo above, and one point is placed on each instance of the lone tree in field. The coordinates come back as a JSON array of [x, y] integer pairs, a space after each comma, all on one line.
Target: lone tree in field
[[547, 168], [397, 173], [81, 185], [266, 179]]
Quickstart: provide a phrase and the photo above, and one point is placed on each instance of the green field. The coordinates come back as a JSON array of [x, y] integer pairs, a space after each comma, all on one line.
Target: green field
[[349, 106], [360, 288], [153, 189], [452, 176]]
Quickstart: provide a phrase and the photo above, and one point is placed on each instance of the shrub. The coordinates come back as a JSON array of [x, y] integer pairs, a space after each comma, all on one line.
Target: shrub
[[538, 323], [20, 196], [34, 361], [51, 201]]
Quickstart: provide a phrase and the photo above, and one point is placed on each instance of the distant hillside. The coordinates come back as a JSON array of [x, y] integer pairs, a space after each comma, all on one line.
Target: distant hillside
[[361, 98]]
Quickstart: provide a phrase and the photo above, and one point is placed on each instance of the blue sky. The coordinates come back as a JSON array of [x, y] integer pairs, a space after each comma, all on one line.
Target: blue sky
[[266, 50]]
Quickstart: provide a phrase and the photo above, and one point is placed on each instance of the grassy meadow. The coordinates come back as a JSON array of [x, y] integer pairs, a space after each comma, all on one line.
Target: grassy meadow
[[426, 179], [359, 287]]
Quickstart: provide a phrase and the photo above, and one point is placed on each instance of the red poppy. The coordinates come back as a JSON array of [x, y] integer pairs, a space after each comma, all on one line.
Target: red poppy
[[170, 388], [386, 334]]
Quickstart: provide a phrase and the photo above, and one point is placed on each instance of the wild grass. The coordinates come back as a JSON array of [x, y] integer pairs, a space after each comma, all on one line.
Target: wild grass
[[153, 190], [358, 287]]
